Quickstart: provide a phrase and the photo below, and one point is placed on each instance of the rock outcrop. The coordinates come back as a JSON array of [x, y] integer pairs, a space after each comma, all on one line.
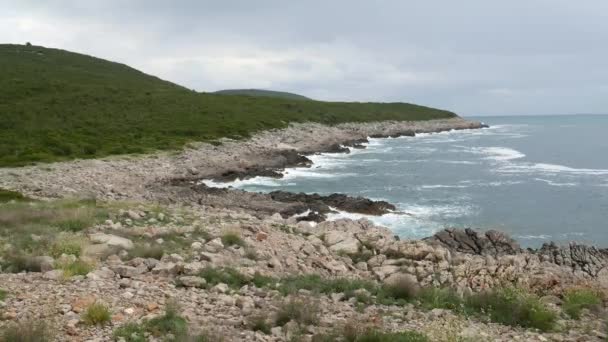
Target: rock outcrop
[[470, 241]]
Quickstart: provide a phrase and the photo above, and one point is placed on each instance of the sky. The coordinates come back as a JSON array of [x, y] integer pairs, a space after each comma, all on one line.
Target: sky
[[474, 57]]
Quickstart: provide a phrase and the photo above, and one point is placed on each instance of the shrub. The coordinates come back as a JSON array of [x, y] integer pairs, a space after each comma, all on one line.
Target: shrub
[[147, 251], [355, 333], [513, 307], [232, 239], [66, 245], [96, 314], [169, 323], [401, 289], [15, 262], [7, 196], [2, 294], [29, 331], [298, 310], [259, 323], [130, 332], [318, 284], [227, 275], [442, 298], [73, 225], [575, 300], [78, 267]]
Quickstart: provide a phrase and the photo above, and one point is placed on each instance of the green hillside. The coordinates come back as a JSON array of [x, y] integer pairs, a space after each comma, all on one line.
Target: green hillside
[[261, 92], [58, 105]]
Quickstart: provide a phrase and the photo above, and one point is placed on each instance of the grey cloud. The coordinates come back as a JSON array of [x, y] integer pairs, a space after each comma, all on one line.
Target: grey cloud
[[472, 56]]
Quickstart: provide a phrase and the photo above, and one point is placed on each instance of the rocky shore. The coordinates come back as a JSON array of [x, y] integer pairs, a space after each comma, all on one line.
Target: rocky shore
[[169, 258]]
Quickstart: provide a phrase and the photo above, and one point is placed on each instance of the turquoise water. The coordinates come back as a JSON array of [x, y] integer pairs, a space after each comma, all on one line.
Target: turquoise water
[[538, 178]]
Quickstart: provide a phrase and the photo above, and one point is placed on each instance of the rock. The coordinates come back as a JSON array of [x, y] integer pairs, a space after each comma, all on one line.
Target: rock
[[167, 268], [192, 281], [470, 241], [81, 303], [129, 271], [220, 288], [192, 170], [196, 245], [53, 275], [132, 215], [103, 273], [111, 240], [321, 204], [46, 263], [341, 242], [261, 236], [214, 246]]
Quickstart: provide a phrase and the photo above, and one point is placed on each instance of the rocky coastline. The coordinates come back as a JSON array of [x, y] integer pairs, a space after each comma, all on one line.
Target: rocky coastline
[[238, 264]]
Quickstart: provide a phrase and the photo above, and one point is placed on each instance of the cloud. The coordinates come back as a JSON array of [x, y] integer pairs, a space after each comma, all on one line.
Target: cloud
[[473, 57]]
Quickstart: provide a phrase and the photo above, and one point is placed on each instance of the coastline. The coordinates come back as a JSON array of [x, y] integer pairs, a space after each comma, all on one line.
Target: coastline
[[157, 205]]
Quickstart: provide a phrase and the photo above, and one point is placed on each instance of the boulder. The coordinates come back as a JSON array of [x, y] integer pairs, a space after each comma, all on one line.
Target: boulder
[[111, 240], [192, 281]]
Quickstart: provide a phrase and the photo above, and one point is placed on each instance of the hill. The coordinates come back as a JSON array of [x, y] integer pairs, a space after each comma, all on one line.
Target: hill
[[261, 92], [58, 105]]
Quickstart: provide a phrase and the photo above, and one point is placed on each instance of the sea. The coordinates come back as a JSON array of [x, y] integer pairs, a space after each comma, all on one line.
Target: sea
[[537, 178]]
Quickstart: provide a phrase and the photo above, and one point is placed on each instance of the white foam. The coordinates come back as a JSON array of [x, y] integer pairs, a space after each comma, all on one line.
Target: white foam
[[533, 237], [443, 186], [552, 183], [550, 169], [500, 153]]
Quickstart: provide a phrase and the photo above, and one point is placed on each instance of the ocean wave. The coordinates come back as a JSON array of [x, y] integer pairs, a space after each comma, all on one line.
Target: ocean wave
[[552, 183], [442, 186], [533, 237], [550, 169], [401, 224]]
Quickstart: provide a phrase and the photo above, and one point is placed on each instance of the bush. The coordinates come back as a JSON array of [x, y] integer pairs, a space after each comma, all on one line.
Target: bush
[[130, 332], [15, 262], [29, 331], [66, 245], [7, 196], [575, 300], [78, 267], [73, 225], [513, 307], [297, 310], [96, 314], [227, 275], [147, 251], [355, 333], [440, 298], [169, 323], [2, 294], [232, 239], [318, 284], [259, 323], [401, 289]]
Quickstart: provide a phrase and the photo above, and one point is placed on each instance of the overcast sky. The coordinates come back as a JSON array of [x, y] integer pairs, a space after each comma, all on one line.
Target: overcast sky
[[475, 57]]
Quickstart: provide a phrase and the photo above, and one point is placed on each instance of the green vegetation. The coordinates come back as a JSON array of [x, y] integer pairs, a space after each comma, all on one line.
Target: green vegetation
[[262, 93], [513, 307], [170, 325], [77, 267], [2, 294], [575, 300], [303, 312], [96, 314], [232, 239], [32, 229], [233, 278], [58, 105], [7, 196], [29, 331], [259, 323], [355, 333]]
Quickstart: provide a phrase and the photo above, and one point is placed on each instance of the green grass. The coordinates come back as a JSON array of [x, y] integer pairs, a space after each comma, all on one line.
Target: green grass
[[7, 196], [77, 267], [3, 294], [303, 312], [575, 300], [96, 314], [355, 333], [130, 332], [59, 105], [232, 239], [171, 322], [27, 331]]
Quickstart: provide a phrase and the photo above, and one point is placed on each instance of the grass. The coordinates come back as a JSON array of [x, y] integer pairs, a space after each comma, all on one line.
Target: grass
[[75, 268], [3, 294], [301, 311], [511, 306], [171, 322], [28, 331], [59, 105], [575, 300], [259, 323], [147, 251], [232, 239], [130, 332], [233, 278], [8, 196], [96, 314], [356, 333]]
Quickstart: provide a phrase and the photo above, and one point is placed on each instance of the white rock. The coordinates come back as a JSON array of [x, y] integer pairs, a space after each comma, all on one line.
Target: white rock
[[214, 245], [111, 240]]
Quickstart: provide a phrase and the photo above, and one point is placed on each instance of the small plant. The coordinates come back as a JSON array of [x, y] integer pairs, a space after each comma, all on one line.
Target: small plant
[[259, 323], [7, 196], [227, 275], [511, 306], [440, 298], [66, 245], [575, 300], [28, 331], [298, 310], [15, 262], [232, 239], [78, 267], [355, 333], [147, 251], [169, 323], [401, 289], [96, 314], [73, 224], [2, 294], [130, 332]]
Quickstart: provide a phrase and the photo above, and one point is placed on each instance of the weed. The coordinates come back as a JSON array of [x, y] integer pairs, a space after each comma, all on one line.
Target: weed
[[301, 311], [171, 322], [232, 239], [96, 314], [259, 323], [575, 300], [78, 267], [130, 332], [28, 331]]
